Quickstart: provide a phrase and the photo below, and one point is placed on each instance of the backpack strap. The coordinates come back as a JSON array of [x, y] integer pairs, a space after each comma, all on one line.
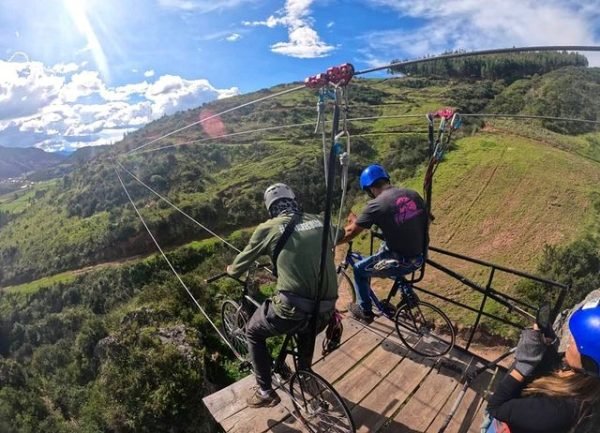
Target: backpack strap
[[287, 232]]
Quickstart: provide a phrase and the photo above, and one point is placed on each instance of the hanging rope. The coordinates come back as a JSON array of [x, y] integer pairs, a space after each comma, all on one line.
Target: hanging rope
[[235, 352], [324, 95], [449, 122], [344, 158], [229, 110]]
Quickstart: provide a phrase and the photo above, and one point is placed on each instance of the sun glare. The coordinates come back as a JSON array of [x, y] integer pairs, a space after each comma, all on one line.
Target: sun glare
[[78, 11]]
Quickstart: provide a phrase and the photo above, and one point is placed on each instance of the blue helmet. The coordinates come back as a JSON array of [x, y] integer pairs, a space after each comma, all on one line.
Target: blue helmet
[[585, 328], [372, 174]]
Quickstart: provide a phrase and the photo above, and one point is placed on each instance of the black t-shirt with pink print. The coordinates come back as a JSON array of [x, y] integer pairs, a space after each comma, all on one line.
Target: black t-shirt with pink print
[[402, 217]]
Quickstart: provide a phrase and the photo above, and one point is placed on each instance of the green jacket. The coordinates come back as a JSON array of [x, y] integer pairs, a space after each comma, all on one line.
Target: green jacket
[[298, 263]]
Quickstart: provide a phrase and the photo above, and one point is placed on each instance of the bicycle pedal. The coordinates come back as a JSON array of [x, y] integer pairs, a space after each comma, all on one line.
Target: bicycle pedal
[[245, 366]]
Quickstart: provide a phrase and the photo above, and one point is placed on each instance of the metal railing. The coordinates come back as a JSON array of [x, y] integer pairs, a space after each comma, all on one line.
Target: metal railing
[[488, 291]]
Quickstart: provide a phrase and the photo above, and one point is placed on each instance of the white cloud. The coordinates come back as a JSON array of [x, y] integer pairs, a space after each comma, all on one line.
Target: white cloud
[[65, 68], [55, 109], [172, 93], [468, 25], [233, 37], [304, 42], [83, 84], [202, 6], [25, 88], [330, 24], [149, 73]]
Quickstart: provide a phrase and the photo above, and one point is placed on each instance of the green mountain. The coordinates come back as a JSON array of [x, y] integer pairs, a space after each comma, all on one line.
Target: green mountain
[[15, 162], [107, 342], [84, 218]]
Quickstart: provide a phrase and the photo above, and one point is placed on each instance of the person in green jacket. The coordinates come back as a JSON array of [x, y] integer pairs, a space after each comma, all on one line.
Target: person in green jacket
[[297, 269]]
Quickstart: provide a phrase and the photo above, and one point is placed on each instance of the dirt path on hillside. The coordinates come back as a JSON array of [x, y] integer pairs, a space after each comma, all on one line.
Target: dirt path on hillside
[[110, 264]]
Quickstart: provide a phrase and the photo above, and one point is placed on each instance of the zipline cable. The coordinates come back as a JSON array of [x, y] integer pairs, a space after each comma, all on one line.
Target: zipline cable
[[229, 110], [481, 53], [173, 269], [188, 216], [531, 116], [274, 128], [233, 134]]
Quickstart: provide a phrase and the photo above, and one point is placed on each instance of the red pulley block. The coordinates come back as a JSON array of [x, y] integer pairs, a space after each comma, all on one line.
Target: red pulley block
[[316, 81], [336, 75], [446, 113]]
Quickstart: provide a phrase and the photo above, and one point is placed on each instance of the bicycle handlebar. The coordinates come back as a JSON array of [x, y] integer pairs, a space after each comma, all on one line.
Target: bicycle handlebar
[[225, 274], [217, 277], [377, 235]]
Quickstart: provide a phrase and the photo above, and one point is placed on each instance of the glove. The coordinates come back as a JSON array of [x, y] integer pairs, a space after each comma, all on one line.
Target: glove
[[530, 351]]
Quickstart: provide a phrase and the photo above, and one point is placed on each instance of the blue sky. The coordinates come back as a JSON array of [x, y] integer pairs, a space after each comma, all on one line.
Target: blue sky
[[81, 72]]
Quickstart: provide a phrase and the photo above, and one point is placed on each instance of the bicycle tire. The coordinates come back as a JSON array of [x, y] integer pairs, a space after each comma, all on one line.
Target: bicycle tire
[[234, 323], [346, 291], [417, 330], [318, 404]]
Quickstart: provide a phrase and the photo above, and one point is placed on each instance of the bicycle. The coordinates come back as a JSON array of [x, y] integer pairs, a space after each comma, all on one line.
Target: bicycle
[[422, 327], [318, 405]]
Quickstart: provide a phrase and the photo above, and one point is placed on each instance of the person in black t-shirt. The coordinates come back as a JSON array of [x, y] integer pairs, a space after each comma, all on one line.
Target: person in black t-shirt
[[401, 215], [533, 398]]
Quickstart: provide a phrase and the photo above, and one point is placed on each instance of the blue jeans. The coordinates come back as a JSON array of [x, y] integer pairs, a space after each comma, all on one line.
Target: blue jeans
[[363, 271]]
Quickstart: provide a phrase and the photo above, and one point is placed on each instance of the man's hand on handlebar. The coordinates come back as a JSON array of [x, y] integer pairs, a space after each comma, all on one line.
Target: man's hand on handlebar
[[377, 234]]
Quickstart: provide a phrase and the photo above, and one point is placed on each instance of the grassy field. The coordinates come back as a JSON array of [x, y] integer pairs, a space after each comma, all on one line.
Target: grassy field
[[34, 286]]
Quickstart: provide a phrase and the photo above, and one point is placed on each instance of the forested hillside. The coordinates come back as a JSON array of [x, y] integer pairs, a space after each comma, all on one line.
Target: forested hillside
[[121, 348], [15, 161]]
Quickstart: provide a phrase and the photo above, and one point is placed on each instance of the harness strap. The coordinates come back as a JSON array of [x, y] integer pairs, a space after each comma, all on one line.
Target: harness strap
[[287, 232], [306, 305]]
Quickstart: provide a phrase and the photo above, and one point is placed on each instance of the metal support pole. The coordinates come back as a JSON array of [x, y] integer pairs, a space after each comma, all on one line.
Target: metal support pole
[[488, 286]]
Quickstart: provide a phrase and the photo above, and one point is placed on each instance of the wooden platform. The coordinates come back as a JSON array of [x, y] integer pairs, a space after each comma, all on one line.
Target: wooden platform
[[387, 388]]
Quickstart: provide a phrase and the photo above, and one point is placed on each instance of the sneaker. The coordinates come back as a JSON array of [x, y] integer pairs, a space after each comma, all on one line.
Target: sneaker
[[257, 399], [360, 314]]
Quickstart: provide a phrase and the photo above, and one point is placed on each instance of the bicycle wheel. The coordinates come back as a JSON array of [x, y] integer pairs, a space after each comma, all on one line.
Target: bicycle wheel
[[424, 329], [234, 326], [346, 293], [318, 404]]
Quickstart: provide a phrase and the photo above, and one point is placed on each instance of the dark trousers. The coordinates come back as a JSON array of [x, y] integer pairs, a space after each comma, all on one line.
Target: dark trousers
[[263, 324]]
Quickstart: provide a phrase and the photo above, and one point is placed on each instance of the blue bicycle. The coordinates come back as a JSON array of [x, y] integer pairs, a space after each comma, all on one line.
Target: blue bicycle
[[421, 326]]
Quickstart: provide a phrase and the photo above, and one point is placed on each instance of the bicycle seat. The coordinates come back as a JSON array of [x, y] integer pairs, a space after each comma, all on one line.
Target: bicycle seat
[[395, 264], [388, 264]]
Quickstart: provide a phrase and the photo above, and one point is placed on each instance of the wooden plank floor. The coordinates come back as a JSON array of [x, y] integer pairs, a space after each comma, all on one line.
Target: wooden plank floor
[[387, 388]]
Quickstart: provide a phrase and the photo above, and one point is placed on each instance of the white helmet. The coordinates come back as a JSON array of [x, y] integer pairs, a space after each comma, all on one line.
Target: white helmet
[[277, 191]]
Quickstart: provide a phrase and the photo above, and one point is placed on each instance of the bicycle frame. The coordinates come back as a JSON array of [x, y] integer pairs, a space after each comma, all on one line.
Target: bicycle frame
[[399, 282]]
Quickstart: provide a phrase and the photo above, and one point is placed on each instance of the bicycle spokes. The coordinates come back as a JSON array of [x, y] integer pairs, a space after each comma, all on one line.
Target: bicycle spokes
[[318, 404], [424, 329], [234, 326]]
